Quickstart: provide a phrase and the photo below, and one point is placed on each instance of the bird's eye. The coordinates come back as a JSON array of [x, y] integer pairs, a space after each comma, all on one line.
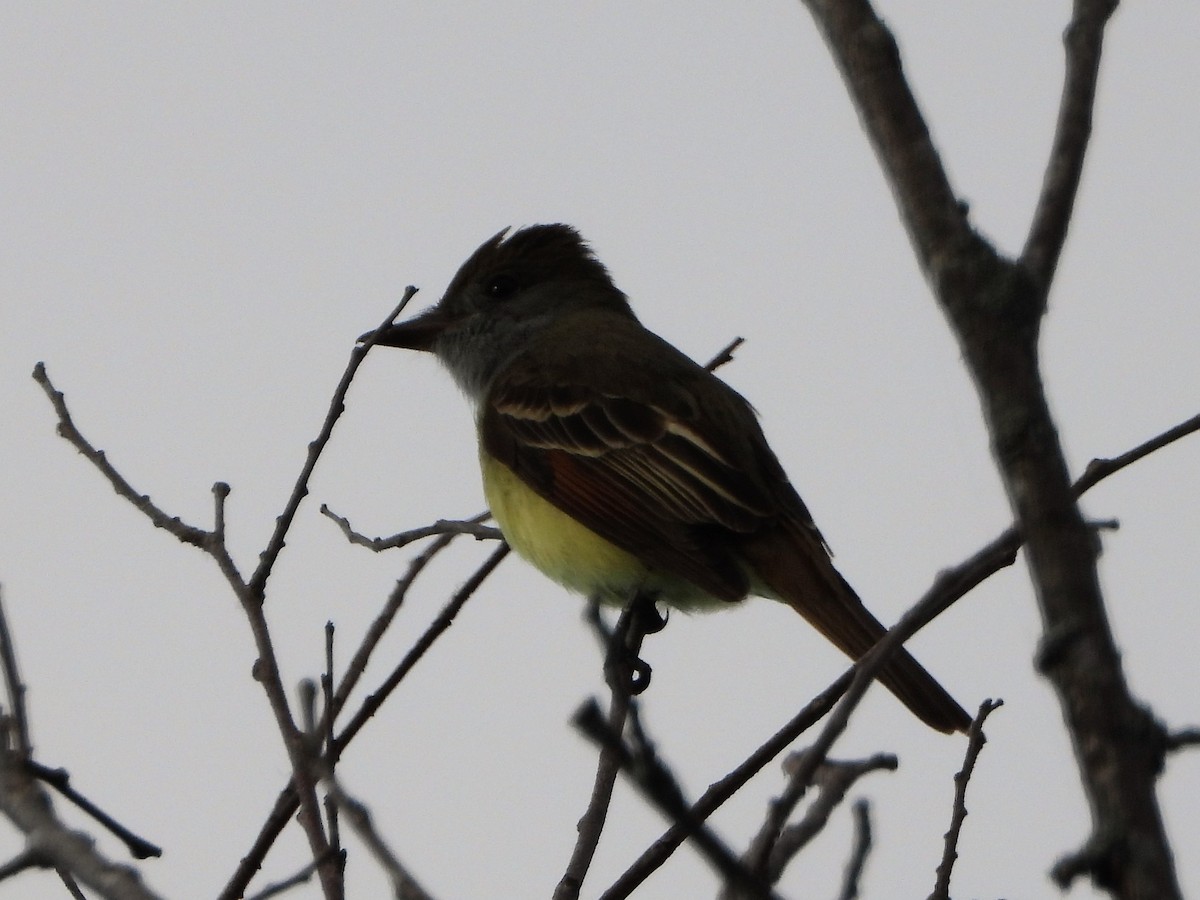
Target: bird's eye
[[500, 287]]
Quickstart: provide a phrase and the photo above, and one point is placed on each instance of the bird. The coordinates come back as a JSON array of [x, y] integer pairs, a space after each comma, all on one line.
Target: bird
[[620, 467]]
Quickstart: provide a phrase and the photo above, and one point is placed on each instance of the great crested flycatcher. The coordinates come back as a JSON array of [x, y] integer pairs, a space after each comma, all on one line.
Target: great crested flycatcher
[[618, 466]]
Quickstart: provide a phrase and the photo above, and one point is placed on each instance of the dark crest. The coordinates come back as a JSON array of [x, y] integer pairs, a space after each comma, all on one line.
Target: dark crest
[[532, 255]]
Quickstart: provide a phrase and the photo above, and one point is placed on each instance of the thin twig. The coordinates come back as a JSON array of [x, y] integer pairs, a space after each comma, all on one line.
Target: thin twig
[[276, 888], [72, 886], [379, 626], [25, 803], [1180, 740], [641, 764], [251, 593], [724, 355], [860, 851], [832, 779], [60, 780], [50, 843], [258, 581], [444, 620], [16, 688], [975, 741], [1099, 469], [189, 534], [720, 791], [608, 765], [469, 526], [404, 885]]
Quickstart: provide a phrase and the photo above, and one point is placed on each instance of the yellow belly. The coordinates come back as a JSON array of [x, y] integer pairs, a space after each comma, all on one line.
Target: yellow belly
[[572, 554]]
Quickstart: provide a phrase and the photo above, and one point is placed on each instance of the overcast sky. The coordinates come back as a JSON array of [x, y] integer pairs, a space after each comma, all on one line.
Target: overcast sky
[[204, 205]]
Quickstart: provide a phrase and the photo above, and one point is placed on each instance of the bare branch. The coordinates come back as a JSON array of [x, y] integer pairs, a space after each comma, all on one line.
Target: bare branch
[[286, 802], [404, 885], [16, 690], [866, 53], [1099, 469], [469, 526], [1181, 740], [833, 778], [862, 848], [50, 843], [629, 637], [258, 581], [975, 741], [189, 534], [379, 627], [277, 888], [1048, 231], [277, 819], [724, 355], [444, 620], [250, 594], [26, 805], [995, 308], [641, 764], [60, 780], [69, 882], [23, 861]]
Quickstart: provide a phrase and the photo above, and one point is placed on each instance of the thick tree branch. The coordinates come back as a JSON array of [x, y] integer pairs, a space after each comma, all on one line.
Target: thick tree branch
[[994, 308], [869, 60]]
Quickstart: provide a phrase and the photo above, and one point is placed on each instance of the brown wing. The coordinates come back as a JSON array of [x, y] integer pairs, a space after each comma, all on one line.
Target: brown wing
[[656, 479]]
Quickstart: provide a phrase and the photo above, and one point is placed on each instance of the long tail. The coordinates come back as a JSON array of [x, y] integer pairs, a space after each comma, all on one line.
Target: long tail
[[797, 568]]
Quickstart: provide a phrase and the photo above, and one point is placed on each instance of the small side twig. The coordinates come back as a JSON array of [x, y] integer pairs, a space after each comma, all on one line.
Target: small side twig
[[444, 620], [1181, 740], [833, 778], [188, 534], [975, 741], [471, 526], [861, 850], [404, 885], [628, 636], [337, 404], [277, 888], [21, 741], [60, 780], [724, 355]]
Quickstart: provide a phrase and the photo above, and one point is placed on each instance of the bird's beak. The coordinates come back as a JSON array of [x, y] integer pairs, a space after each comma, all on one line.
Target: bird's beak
[[417, 333]]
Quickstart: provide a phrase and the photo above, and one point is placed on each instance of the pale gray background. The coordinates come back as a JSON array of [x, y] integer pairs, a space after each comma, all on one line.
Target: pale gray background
[[204, 204]]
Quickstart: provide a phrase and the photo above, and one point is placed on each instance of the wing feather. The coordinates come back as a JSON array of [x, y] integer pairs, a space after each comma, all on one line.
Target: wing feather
[[635, 473]]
